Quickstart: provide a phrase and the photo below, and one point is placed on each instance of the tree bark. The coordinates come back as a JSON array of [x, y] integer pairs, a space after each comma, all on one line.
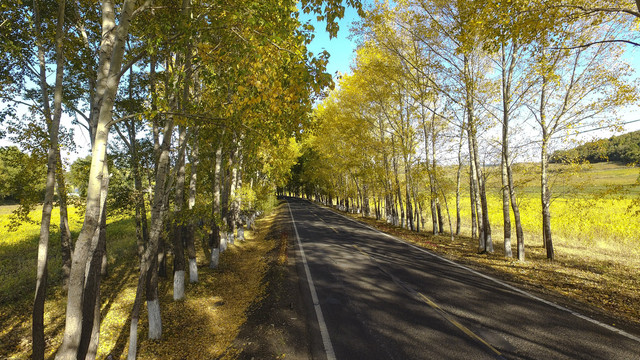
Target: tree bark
[[53, 124], [214, 236], [505, 205], [82, 252], [546, 202], [149, 257], [96, 267], [472, 199], [545, 192], [507, 72], [458, 179], [516, 216], [191, 248], [65, 231], [179, 227], [485, 243]]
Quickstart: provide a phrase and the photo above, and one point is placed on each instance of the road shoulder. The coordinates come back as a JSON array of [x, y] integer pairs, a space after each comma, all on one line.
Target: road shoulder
[[278, 324]]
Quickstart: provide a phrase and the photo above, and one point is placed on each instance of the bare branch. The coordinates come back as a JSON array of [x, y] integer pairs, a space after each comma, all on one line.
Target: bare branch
[[604, 10], [124, 138], [77, 111], [142, 8], [131, 62], [596, 43]]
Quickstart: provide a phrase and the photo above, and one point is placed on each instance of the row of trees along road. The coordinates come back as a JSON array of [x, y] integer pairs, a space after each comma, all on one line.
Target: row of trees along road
[[438, 82], [216, 90]]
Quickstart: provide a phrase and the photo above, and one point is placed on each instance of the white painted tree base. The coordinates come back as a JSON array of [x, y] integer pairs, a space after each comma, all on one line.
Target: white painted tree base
[[215, 258], [178, 285], [230, 238], [193, 271], [241, 233], [155, 321], [223, 244], [133, 340]]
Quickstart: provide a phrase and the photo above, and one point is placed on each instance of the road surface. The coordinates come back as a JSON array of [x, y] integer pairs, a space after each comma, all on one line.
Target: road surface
[[376, 297]]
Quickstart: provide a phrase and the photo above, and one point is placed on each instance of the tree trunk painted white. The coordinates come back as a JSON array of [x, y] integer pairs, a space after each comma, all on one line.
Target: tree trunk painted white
[[155, 320], [193, 271], [241, 233], [230, 238], [133, 341], [223, 242], [215, 258], [178, 285]]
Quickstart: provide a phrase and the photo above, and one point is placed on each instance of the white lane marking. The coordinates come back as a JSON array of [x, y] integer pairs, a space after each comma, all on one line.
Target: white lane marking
[[324, 331], [510, 287]]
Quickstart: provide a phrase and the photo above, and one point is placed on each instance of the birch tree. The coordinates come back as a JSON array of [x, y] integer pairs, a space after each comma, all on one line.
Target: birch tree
[[576, 87], [112, 50]]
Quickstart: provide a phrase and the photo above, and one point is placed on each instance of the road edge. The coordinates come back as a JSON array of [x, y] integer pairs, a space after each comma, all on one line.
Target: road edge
[[490, 278]]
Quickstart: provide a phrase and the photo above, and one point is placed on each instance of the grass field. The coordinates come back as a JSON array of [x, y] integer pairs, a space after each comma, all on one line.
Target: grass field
[[591, 204], [209, 318]]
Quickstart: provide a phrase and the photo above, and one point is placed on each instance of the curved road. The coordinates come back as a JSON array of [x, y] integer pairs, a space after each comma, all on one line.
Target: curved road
[[376, 297]]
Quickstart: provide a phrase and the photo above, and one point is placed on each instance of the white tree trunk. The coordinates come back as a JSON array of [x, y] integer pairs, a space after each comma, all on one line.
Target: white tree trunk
[[193, 271]]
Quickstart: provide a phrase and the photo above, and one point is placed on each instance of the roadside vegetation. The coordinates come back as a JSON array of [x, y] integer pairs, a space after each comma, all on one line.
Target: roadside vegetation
[[191, 111], [212, 313]]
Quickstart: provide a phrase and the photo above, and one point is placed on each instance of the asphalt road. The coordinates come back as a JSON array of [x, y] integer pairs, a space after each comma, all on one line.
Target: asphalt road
[[380, 298]]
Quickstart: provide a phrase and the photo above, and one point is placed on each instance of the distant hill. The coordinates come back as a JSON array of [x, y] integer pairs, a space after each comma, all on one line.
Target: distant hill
[[623, 148]]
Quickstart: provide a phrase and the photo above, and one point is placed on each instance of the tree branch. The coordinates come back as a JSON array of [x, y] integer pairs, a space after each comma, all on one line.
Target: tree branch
[[194, 116], [142, 8], [77, 111], [605, 10], [276, 45], [124, 139], [596, 43], [131, 62], [31, 106]]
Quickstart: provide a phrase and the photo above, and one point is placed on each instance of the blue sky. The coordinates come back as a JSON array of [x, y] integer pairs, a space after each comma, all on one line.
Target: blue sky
[[340, 47]]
